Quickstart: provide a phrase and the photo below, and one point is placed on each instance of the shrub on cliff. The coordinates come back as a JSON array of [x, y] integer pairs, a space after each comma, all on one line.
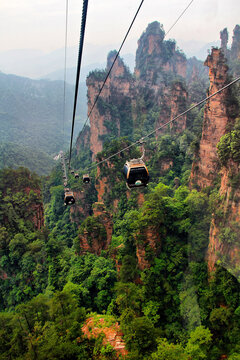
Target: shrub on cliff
[[229, 145]]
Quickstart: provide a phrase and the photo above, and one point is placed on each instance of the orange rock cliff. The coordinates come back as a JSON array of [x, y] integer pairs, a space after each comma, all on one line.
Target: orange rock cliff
[[219, 118], [216, 120]]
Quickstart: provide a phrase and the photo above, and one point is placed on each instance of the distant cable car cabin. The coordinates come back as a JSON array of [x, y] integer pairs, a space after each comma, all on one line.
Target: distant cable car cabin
[[136, 173], [68, 197], [86, 179], [76, 176], [72, 172]]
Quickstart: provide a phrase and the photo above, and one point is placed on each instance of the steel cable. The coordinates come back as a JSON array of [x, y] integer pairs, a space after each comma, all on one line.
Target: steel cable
[[82, 33]]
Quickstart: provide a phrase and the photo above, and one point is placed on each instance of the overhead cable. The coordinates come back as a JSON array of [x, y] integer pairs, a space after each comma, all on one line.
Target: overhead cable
[[109, 71], [65, 71], [179, 18], [164, 125], [82, 33]]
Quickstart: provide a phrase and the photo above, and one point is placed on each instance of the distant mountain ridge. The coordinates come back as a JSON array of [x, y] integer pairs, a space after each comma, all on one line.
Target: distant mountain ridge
[[31, 116], [37, 64]]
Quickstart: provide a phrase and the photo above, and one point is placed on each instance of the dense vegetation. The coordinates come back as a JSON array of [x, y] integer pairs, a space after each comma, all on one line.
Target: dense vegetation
[[14, 155], [171, 310], [31, 121]]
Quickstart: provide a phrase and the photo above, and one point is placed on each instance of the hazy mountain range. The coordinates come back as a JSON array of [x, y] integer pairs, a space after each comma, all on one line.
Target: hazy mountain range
[[31, 120], [36, 64]]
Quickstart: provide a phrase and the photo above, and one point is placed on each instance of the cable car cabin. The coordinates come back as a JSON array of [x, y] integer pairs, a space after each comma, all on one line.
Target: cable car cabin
[[86, 179], [76, 176], [68, 197], [72, 172], [136, 173]]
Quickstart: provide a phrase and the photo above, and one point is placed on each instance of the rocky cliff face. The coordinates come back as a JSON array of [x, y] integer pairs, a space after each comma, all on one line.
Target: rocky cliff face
[[102, 184], [36, 209], [97, 234], [232, 54], [82, 207], [152, 242], [225, 231], [124, 104], [127, 105], [98, 128], [217, 119], [156, 57], [38, 217], [224, 41], [110, 116], [160, 72], [83, 140], [112, 334], [178, 104], [235, 49]]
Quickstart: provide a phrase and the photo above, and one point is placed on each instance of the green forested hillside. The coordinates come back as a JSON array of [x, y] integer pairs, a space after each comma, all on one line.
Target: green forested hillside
[[14, 155], [31, 116], [171, 310]]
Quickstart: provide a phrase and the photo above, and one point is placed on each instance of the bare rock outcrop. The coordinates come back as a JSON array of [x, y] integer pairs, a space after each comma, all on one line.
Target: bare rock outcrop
[[235, 48], [112, 334], [96, 235], [109, 115], [36, 209], [217, 119], [224, 235]]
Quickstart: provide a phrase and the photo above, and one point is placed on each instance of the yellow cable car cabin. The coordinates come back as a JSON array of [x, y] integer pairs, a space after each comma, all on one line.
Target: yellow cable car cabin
[[76, 176], [68, 197], [86, 179], [136, 173]]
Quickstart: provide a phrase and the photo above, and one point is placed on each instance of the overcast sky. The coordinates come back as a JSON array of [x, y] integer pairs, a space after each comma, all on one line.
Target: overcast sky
[[40, 24]]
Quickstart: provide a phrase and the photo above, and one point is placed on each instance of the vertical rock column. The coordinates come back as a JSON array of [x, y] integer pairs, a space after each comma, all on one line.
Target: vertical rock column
[[105, 119], [205, 165]]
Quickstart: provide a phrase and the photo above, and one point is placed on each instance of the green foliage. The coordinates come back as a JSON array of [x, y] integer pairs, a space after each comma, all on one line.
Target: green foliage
[[93, 278], [45, 329], [14, 155], [224, 148], [97, 75], [229, 145], [128, 269], [22, 247], [140, 336], [234, 357], [230, 234], [31, 115], [168, 351], [94, 229], [199, 343]]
